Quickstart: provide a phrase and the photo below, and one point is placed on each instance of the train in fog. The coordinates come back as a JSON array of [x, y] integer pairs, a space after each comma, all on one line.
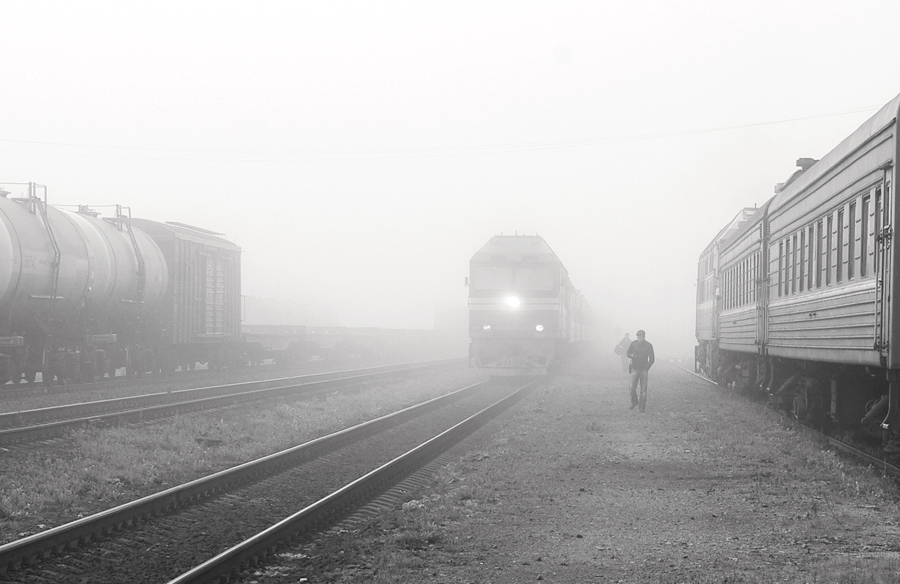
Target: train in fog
[[797, 298], [525, 316], [85, 296], [82, 295]]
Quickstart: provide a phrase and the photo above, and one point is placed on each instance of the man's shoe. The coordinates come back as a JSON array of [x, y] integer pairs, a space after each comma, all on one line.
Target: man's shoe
[[632, 406]]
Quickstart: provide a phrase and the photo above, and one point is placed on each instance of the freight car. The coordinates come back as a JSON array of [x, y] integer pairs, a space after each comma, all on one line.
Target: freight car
[[524, 314], [801, 297], [82, 295]]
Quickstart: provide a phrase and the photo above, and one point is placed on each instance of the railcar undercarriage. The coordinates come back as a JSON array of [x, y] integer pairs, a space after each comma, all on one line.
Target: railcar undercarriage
[[848, 399]]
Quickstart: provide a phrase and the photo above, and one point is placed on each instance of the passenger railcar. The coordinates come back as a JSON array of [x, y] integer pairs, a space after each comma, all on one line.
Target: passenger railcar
[[707, 293], [805, 299], [524, 313]]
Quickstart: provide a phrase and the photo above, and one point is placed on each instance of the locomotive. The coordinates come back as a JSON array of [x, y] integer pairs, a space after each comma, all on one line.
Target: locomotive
[[797, 297], [82, 295], [524, 314]]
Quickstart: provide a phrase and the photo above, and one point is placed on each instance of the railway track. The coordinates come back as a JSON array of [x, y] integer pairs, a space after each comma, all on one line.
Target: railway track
[[29, 425], [876, 461], [10, 392], [208, 529]]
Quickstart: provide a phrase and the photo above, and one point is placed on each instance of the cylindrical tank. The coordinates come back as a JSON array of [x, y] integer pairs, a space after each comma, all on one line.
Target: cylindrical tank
[[117, 288], [65, 274]]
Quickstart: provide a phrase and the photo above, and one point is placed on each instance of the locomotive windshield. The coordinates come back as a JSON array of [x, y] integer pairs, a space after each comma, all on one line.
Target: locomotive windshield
[[512, 278]]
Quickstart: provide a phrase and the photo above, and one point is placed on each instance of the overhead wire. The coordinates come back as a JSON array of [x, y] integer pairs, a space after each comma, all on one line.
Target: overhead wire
[[324, 155]]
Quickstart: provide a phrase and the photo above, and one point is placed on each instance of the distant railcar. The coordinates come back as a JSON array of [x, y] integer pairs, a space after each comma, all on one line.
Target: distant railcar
[[802, 298], [199, 317], [524, 313]]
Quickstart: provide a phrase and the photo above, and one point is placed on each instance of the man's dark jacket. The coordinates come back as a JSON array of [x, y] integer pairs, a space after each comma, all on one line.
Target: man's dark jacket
[[641, 354]]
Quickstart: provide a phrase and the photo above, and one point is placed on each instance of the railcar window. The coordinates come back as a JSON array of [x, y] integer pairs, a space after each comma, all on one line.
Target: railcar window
[[794, 265], [511, 278], [748, 279], [780, 262], [864, 238], [728, 287], [820, 264], [493, 277], [534, 279], [727, 296], [802, 258], [829, 234], [788, 262], [754, 276], [839, 267], [731, 288], [851, 240], [811, 258]]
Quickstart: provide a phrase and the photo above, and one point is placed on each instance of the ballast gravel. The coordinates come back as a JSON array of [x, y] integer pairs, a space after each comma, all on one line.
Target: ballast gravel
[[572, 486]]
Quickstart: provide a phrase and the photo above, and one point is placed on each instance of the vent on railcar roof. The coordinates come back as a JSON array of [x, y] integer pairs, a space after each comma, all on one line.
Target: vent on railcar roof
[[193, 228], [804, 164]]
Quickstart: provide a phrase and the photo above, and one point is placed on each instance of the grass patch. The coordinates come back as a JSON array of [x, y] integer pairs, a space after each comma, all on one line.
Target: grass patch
[[103, 467]]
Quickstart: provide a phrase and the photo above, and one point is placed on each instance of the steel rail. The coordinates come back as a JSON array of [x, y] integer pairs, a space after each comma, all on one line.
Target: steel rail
[[284, 387], [81, 409], [331, 509], [57, 539]]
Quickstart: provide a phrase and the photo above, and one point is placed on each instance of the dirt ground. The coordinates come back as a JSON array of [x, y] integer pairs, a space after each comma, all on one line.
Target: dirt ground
[[572, 486]]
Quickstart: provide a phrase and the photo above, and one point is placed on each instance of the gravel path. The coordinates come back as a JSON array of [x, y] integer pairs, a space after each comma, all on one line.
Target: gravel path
[[572, 486]]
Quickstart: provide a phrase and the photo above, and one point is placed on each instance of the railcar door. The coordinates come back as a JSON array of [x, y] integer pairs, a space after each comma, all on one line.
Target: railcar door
[[760, 282], [883, 230]]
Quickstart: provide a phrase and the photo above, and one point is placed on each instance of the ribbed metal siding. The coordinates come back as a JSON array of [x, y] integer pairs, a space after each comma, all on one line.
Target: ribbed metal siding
[[737, 329], [836, 326]]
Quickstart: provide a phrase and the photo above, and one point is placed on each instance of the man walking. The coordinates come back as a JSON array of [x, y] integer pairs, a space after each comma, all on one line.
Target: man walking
[[641, 354]]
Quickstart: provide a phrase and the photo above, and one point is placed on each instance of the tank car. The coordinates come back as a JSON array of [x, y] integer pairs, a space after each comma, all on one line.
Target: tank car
[[82, 295], [524, 313], [75, 289], [806, 303]]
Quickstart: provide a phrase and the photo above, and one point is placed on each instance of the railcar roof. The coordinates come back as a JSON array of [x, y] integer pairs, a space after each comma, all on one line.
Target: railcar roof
[[751, 220], [732, 227], [884, 117], [168, 231], [530, 248]]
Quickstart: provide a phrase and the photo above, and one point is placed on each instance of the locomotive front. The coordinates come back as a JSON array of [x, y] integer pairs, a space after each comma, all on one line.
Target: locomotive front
[[519, 306]]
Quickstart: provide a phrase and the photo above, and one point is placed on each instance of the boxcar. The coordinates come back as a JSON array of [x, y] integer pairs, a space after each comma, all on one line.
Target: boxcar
[[199, 317]]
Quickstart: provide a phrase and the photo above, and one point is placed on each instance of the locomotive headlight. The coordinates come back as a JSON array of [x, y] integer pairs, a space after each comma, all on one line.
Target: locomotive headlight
[[486, 327], [539, 328], [513, 302]]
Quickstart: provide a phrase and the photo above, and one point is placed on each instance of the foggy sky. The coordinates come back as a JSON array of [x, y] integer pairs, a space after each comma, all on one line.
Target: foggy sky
[[360, 153]]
